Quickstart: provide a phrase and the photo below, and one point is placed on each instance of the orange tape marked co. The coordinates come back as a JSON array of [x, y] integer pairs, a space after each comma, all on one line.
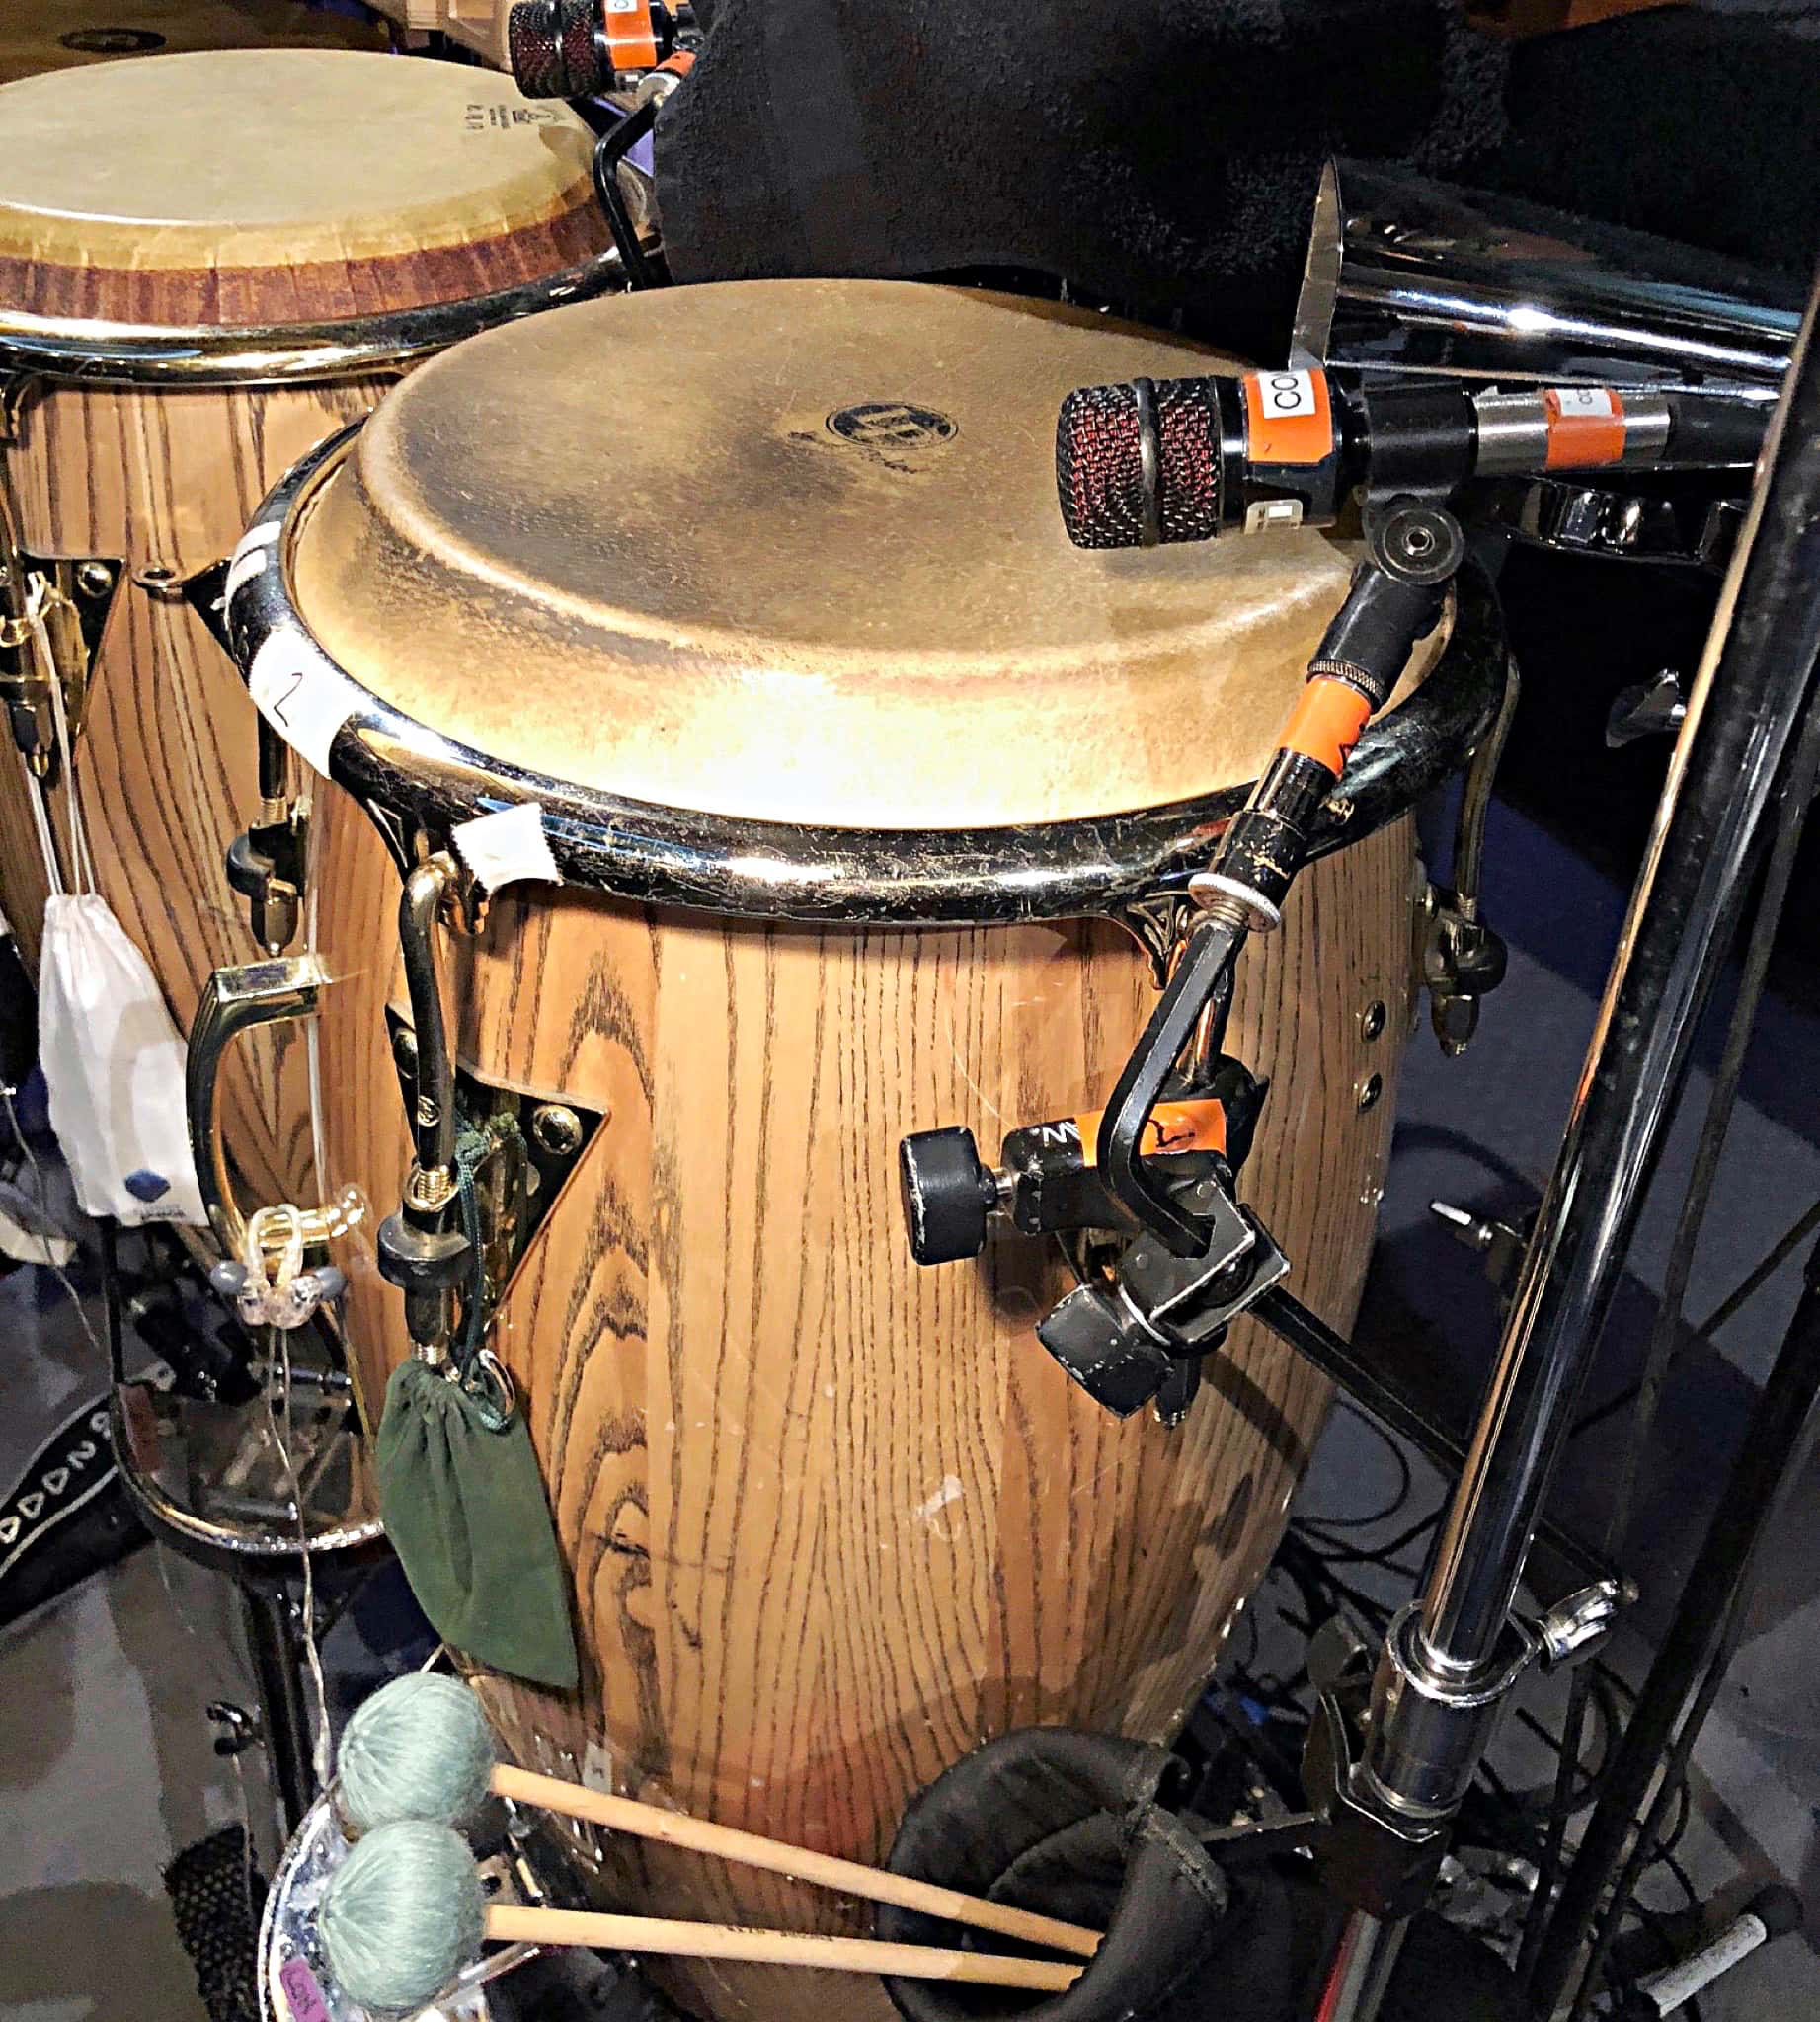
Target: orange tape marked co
[[1326, 722], [1289, 418], [631, 37], [1172, 1127], [1586, 426]]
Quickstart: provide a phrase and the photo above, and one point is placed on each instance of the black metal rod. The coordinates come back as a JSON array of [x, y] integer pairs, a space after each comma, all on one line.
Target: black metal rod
[[1387, 1408], [284, 1721], [1711, 1609]]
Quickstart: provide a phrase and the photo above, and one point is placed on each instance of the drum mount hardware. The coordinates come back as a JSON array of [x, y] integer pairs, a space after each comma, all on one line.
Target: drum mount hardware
[[488, 1162], [71, 600], [1180, 1258]]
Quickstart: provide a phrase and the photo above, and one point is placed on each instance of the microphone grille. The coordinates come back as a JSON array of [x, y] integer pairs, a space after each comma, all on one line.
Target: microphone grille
[[550, 44], [1099, 464]]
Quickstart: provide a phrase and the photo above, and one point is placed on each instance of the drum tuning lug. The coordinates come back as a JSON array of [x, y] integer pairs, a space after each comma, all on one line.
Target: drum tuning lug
[[1462, 961], [1500, 1245], [264, 865], [1646, 709]]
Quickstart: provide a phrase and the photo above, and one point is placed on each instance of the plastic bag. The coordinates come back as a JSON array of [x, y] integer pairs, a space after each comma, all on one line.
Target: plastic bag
[[112, 1055]]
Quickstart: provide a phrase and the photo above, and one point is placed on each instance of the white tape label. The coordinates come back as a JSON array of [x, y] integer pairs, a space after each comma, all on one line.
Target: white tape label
[[1285, 394], [304, 699], [246, 564], [1584, 400], [507, 847]]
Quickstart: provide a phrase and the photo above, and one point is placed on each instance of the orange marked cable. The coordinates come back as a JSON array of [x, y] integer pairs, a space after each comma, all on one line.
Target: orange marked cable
[[1586, 426], [1328, 721], [1171, 1127]]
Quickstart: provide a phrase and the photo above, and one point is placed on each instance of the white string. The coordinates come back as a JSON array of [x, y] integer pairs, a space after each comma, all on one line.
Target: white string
[[83, 864]]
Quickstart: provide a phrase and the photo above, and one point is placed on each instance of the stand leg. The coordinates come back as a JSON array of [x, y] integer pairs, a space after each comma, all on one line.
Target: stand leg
[[284, 1714]]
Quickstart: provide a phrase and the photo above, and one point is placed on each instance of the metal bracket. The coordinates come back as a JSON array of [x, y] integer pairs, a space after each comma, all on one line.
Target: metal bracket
[[75, 598], [537, 1145]]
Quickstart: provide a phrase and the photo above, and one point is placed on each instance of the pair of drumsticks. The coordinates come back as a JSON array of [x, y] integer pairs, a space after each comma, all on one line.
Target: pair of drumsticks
[[419, 1757]]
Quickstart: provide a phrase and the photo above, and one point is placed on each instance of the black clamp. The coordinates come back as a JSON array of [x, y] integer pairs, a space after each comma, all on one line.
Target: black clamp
[[1135, 1328]]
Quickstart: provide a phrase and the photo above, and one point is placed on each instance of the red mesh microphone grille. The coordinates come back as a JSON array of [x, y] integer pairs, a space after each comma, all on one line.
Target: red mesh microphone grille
[[1099, 466], [551, 47], [534, 50]]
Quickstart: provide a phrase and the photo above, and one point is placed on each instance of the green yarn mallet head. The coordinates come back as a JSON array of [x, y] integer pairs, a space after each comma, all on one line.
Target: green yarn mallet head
[[402, 1915], [418, 1748]]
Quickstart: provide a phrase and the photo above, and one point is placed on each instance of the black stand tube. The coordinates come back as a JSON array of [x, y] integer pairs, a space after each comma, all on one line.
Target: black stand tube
[[1782, 1431], [285, 1720], [1428, 1722]]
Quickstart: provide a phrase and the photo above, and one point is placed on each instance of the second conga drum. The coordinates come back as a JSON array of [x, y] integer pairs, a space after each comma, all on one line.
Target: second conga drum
[[872, 803], [206, 261]]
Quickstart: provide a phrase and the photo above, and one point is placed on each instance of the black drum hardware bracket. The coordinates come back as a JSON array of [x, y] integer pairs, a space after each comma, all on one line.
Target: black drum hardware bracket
[[1166, 1256]]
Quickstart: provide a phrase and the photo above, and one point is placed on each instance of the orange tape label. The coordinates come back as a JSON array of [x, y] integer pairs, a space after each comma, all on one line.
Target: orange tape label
[[631, 37], [1172, 1127], [1326, 722], [1288, 417], [1586, 426]]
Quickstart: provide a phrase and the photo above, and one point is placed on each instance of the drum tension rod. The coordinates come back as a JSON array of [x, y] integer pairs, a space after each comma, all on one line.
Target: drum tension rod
[[423, 1248], [265, 863]]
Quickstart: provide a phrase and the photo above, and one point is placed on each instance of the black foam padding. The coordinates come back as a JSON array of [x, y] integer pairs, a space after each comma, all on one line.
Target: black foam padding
[[1099, 464], [1716, 147], [1157, 154]]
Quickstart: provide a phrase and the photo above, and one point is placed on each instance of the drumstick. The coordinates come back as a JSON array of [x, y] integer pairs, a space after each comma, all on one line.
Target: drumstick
[[406, 1911], [420, 1748], [658, 1934]]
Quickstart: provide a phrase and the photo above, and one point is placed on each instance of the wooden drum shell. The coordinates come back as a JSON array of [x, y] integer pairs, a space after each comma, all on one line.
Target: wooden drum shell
[[166, 755], [832, 1518]]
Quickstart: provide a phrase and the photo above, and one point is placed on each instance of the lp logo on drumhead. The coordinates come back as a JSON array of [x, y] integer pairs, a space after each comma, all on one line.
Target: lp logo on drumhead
[[891, 427]]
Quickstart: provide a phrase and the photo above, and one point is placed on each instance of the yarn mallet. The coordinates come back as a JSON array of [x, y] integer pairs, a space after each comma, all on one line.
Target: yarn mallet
[[420, 1748], [406, 1911]]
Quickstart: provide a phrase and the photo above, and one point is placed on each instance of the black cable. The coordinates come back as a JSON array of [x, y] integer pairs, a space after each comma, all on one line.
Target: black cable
[[1725, 1311], [1406, 1478]]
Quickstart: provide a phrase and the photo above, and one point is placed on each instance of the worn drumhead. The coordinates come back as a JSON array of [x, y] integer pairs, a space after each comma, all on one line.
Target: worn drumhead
[[126, 188], [790, 550]]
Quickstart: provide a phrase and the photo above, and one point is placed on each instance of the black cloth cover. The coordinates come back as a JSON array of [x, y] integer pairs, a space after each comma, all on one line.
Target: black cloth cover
[[1070, 1824], [1075, 1825], [1158, 154]]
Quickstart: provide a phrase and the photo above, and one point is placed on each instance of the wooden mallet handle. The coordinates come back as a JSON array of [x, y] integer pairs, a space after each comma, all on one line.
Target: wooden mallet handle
[[658, 1934], [753, 1851]]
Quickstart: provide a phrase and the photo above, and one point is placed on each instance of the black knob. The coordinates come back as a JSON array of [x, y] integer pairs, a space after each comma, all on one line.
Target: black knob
[[947, 1195]]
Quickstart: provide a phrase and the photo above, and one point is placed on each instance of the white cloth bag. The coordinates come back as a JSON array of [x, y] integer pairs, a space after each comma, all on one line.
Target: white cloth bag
[[112, 1055]]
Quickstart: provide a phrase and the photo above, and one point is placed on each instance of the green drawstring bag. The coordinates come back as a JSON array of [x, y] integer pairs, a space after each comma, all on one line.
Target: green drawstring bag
[[464, 1510]]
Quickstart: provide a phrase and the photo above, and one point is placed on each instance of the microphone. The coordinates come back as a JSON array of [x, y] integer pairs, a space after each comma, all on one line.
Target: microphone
[[1151, 462], [574, 48]]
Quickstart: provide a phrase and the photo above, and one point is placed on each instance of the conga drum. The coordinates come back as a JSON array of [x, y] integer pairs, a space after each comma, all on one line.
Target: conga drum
[[872, 803], [206, 261]]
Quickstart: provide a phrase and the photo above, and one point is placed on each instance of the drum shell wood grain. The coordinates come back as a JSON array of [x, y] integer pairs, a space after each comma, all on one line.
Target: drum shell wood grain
[[831, 1518], [165, 756]]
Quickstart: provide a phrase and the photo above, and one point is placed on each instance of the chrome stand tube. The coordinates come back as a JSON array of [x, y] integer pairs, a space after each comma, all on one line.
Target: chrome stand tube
[[1748, 699]]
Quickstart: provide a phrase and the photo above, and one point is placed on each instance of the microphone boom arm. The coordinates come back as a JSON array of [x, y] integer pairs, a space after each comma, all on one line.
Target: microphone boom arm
[[1415, 548]]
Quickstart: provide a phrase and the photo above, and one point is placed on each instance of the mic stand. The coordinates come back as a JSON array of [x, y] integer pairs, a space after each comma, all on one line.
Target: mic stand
[[1448, 1661]]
